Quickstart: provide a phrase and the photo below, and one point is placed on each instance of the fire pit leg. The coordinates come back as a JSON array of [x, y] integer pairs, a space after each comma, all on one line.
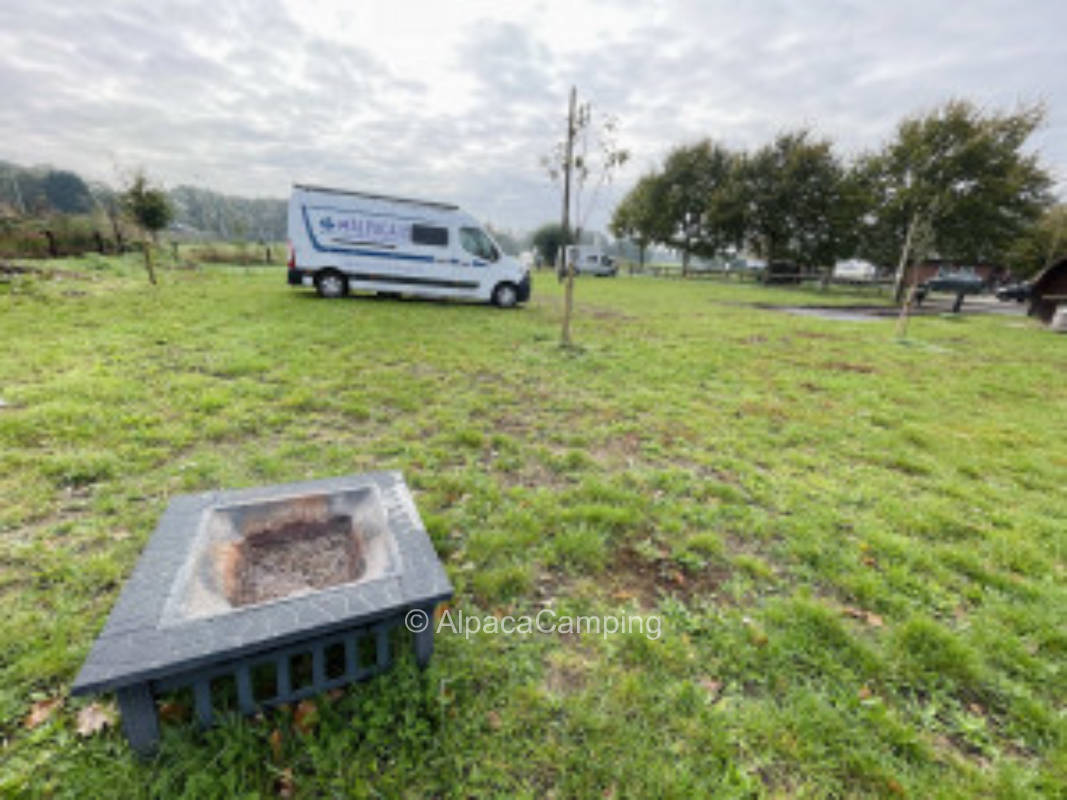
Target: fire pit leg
[[139, 720], [424, 640]]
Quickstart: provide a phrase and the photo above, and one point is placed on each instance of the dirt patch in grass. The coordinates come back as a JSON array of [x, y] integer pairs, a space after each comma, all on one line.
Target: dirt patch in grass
[[634, 577], [601, 312], [48, 273], [844, 366]]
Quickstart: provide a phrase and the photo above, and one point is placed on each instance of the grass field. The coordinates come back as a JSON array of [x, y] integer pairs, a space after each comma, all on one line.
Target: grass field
[[855, 544]]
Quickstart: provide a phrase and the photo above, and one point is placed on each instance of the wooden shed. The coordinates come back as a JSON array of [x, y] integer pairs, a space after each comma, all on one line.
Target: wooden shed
[[1048, 290]]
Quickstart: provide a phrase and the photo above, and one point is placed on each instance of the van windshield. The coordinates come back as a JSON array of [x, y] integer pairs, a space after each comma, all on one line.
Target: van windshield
[[475, 242]]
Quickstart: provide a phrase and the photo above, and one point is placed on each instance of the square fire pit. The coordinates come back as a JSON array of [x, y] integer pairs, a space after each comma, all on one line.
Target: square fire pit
[[299, 585]]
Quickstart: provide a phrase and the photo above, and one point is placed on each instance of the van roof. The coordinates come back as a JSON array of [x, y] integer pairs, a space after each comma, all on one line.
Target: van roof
[[392, 198]]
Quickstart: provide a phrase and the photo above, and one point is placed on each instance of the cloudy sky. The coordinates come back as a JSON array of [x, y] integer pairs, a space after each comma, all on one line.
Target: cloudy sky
[[460, 100]]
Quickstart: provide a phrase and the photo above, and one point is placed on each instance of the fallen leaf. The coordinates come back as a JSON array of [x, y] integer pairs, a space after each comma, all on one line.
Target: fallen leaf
[[895, 787], [275, 740], [865, 693], [306, 716], [622, 595], [976, 708], [678, 578], [494, 720], [285, 783], [869, 617], [41, 711], [94, 718], [870, 561]]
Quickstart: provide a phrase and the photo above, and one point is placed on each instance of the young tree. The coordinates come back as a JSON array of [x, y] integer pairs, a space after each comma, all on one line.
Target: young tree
[[961, 174], [573, 158], [150, 209]]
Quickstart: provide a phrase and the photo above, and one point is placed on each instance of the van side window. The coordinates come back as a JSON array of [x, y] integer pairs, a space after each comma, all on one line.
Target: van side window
[[428, 234], [475, 242]]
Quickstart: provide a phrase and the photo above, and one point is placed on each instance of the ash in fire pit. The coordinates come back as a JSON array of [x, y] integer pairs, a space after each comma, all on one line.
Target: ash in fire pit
[[247, 555], [281, 560]]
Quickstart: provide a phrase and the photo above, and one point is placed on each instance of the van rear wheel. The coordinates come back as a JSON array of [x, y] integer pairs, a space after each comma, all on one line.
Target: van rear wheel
[[505, 295], [331, 284]]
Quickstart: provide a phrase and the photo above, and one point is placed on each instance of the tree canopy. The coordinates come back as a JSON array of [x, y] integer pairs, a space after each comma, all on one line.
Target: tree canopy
[[547, 240], [146, 205], [955, 182]]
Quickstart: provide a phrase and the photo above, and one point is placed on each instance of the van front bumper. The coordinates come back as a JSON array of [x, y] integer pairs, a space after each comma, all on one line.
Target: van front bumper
[[525, 287]]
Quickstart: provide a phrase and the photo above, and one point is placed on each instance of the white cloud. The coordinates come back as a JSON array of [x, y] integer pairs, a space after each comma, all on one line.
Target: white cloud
[[461, 100]]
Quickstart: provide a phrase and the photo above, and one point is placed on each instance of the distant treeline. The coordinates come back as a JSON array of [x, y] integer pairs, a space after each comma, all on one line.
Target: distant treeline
[[38, 199]]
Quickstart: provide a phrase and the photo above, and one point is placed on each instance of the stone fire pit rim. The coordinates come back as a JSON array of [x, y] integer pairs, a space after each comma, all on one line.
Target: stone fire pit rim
[[134, 647]]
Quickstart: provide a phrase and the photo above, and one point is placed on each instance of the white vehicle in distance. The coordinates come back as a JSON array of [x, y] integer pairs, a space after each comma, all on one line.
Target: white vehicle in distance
[[590, 260], [341, 241], [855, 270]]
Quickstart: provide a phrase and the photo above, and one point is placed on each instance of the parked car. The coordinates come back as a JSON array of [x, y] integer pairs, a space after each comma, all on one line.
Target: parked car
[[1019, 292], [960, 282], [591, 260], [342, 240]]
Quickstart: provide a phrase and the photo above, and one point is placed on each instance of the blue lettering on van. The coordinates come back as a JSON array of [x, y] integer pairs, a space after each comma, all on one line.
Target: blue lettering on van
[[356, 251]]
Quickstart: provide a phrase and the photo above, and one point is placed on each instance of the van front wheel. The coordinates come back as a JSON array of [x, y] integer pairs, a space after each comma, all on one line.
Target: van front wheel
[[505, 295], [331, 283]]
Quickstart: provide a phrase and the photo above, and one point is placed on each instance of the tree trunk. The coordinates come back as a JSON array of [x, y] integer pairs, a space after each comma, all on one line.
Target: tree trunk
[[568, 304], [685, 258], [898, 283], [148, 262], [120, 246]]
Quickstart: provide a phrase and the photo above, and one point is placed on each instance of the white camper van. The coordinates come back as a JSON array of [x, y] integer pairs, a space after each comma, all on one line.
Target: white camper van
[[590, 260], [345, 240]]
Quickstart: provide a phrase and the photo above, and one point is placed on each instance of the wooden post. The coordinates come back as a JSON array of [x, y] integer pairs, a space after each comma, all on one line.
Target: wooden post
[[567, 264]]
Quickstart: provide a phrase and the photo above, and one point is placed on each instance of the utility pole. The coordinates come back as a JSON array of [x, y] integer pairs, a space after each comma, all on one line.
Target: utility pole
[[565, 263]]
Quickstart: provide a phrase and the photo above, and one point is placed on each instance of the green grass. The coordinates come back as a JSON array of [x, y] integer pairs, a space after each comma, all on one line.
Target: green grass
[[856, 545]]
